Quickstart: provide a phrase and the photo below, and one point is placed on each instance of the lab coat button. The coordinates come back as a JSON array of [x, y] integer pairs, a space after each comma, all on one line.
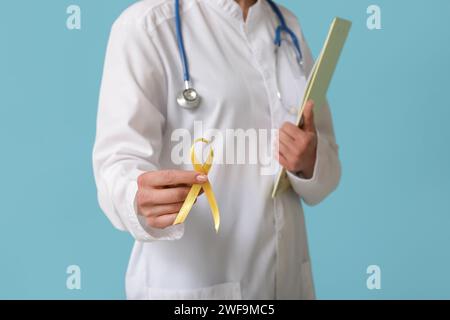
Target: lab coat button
[[293, 110]]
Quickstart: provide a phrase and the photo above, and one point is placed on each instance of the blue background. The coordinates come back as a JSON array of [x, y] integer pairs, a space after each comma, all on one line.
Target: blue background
[[391, 111]]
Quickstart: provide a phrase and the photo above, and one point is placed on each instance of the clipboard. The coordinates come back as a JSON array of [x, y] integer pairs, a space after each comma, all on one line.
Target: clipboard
[[319, 82]]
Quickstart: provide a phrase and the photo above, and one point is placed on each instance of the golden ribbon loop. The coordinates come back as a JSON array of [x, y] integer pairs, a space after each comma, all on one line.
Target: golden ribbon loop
[[196, 188]]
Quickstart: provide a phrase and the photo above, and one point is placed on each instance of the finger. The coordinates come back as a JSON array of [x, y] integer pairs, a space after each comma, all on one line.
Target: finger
[[171, 178], [163, 209], [287, 151], [283, 162], [163, 221], [284, 138], [291, 130], [308, 117], [183, 185], [163, 196], [285, 147]]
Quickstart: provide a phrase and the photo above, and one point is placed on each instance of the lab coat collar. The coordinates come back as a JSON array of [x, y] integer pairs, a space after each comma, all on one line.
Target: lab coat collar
[[232, 8]]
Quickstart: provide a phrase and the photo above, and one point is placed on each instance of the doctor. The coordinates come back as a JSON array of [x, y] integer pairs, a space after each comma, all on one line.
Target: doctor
[[169, 64]]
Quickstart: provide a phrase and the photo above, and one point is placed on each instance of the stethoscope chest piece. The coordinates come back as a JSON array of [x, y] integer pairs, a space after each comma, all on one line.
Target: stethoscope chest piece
[[188, 99]]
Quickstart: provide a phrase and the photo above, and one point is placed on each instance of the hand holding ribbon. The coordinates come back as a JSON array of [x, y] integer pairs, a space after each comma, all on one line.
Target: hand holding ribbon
[[196, 188]]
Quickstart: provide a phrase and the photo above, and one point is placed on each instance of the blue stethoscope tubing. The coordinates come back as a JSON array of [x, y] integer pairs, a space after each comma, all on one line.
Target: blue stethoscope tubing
[[283, 27], [188, 97]]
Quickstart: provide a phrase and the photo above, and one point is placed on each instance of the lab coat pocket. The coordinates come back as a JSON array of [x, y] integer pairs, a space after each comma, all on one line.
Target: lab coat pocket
[[307, 291], [225, 291]]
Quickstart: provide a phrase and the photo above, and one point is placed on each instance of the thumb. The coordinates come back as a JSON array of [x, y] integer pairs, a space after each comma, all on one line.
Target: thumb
[[308, 117]]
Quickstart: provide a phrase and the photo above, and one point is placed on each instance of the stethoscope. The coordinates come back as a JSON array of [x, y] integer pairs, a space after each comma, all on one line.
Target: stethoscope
[[189, 98]]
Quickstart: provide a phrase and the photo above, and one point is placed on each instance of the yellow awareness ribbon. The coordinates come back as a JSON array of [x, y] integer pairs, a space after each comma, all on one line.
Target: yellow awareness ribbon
[[196, 188]]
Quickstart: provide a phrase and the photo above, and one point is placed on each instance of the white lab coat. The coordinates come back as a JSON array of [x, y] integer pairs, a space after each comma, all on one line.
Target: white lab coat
[[261, 250]]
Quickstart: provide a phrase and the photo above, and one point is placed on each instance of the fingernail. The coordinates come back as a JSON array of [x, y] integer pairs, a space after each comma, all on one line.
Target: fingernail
[[202, 178]]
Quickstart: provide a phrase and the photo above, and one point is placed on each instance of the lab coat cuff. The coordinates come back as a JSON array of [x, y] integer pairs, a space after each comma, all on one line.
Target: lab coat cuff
[[140, 229]]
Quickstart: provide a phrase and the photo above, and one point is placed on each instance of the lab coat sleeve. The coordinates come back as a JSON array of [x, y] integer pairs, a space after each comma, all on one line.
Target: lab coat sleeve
[[327, 170], [130, 123]]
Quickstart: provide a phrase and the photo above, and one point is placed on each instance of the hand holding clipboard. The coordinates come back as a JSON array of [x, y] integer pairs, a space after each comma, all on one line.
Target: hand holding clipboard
[[319, 82]]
